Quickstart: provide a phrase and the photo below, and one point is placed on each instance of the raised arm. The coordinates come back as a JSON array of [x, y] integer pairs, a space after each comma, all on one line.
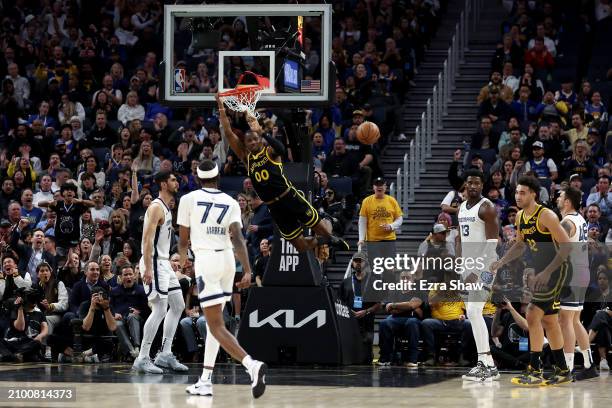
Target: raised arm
[[233, 140]]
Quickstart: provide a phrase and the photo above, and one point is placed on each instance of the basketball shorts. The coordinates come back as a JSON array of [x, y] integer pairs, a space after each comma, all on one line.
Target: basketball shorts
[[549, 299], [164, 279], [214, 272], [292, 213]]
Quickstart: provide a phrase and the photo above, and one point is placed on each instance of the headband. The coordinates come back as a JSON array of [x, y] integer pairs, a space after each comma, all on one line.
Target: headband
[[208, 174]]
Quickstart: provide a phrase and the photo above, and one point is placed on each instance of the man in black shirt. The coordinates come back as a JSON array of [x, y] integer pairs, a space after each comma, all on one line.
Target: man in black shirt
[[342, 164], [362, 154], [69, 211], [352, 290], [98, 322], [101, 135], [23, 340]]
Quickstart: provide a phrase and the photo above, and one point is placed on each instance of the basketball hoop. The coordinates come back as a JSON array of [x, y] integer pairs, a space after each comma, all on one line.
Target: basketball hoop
[[244, 98]]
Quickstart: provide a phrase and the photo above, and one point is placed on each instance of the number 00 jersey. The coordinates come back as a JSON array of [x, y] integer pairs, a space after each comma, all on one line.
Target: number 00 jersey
[[163, 233], [208, 213], [540, 243], [267, 175]]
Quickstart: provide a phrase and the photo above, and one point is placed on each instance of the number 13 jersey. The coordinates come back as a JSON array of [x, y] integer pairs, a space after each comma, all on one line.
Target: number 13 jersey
[[208, 213]]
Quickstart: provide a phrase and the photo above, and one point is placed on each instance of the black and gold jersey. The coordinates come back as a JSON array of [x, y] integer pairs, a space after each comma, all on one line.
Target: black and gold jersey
[[267, 175], [540, 243]]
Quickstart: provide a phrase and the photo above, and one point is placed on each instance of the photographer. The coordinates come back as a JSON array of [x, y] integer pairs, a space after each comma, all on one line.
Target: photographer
[[98, 323], [129, 304], [28, 329]]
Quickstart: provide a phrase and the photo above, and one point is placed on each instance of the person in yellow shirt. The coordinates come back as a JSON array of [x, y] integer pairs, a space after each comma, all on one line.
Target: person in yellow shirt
[[447, 314], [380, 215]]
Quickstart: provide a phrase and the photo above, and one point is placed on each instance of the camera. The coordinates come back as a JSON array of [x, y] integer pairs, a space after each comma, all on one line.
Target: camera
[[30, 296]]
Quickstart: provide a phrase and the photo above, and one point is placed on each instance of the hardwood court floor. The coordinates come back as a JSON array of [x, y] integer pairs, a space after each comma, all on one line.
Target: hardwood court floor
[[113, 385]]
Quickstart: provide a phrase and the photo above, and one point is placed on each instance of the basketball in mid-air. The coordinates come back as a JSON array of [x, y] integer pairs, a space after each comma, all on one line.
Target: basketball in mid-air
[[368, 133]]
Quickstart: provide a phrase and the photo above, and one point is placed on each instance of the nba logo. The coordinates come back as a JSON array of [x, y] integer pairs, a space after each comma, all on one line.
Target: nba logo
[[179, 80]]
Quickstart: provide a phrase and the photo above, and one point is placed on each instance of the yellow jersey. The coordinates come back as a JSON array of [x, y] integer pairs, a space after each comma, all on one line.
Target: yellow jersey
[[446, 310], [380, 212]]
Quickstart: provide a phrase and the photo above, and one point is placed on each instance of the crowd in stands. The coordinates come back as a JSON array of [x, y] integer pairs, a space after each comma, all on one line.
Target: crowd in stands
[[540, 115], [83, 132]]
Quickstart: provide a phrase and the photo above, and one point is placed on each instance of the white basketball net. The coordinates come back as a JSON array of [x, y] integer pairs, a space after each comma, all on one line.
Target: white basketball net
[[243, 99]]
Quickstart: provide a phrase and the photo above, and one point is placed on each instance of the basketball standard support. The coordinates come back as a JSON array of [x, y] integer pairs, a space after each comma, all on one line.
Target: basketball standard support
[[295, 317], [412, 172], [405, 196]]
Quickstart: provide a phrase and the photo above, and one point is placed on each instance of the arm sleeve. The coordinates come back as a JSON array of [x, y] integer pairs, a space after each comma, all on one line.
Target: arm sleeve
[[275, 144], [397, 223], [363, 226]]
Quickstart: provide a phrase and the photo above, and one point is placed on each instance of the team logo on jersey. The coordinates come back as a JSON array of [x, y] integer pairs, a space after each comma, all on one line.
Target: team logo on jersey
[[309, 213], [486, 277]]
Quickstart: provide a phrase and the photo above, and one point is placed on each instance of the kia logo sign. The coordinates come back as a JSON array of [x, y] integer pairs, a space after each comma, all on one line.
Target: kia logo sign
[[276, 322]]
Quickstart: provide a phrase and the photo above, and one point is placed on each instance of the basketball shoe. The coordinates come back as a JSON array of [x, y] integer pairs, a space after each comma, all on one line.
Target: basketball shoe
[[529, 378]]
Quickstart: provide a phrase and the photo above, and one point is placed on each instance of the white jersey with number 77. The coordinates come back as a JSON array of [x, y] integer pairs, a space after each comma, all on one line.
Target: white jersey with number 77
[[208, 213]]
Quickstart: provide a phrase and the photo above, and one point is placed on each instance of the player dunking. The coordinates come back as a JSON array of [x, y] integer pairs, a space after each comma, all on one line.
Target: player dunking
[[479, 231], [289, 209], [572, 301], [160, 282], [211, 220], [539, 229]]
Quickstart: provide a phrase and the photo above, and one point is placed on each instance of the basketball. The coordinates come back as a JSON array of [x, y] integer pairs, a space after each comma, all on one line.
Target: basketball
[[368, 133]]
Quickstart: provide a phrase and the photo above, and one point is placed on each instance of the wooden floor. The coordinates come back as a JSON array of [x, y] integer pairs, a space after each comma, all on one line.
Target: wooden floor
[[110, 385]]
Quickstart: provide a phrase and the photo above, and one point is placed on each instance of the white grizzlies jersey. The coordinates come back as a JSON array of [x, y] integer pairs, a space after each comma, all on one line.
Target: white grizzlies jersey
[[471, 226], [579, 256], [208, 213], [163, 233]]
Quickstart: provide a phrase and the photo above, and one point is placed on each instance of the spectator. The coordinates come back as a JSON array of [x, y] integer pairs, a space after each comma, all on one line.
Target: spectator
[[510, 328], [193, 323], [68, 214], [497, 110], [602, 197], [487, 137], [352, 290], [380, 215], [71, 272], [128, 303], [54, 298], [540, 58], [261, 223], [131, 109], [28, 210], [23, 341], [600, 328], [246, 212], [100, 212], [544, 168], [98, 323], [446, 315], [100, 135], [404, 321], [579, 131], [508, 51], [342, 164], [30, 256], [261, 261]]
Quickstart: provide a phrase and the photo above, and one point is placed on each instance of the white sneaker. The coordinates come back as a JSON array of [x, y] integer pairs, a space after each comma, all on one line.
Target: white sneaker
[[200, 388], [167, 360], [91, 359], [603, 365], [145, 365], [480, 373], [258, 378]]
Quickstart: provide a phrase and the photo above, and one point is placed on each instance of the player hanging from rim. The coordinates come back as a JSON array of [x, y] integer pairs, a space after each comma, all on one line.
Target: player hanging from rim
[[572, 299], [211, 221], [479, 231], [289, 209], [539, 229]]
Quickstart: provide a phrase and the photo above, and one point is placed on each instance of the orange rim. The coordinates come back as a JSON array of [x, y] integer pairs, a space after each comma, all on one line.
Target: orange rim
[[242, 90]]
